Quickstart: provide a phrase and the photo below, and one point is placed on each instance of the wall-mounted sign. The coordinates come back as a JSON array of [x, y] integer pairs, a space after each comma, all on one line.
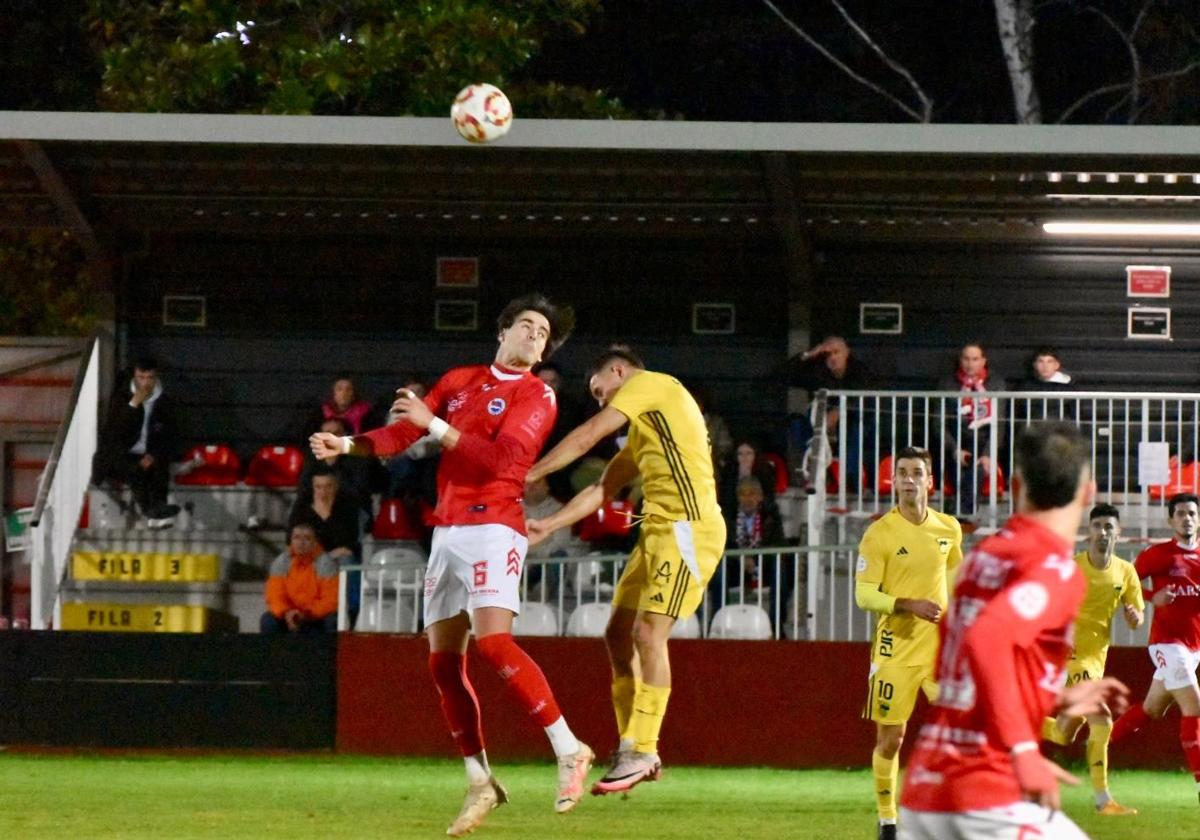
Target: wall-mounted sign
[[1150, 322], [457, 272], [1148, 281], [881, 318], [184, 311], [714, 318], [456, 316]]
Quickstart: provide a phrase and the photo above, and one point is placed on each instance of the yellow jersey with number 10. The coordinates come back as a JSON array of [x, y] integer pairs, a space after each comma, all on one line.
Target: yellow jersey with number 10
[[909, 561], [668, 440]]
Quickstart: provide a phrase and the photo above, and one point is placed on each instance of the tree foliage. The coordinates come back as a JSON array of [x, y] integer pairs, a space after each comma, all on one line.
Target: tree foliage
[[46, 286], [362, 57]]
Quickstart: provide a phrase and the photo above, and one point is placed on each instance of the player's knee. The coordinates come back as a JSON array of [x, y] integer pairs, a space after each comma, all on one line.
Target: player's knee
[[650, 635], [496, 649]]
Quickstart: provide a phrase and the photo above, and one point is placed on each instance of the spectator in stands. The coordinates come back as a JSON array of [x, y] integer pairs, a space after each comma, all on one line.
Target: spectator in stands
[[539, 504], [345, 403], [755, 523], [412, 475], [353, 474], [335, 516], [570, 414], [831, 365], [969, 424], [748, 463], [302, 590], [138, 441], [1046, 373]]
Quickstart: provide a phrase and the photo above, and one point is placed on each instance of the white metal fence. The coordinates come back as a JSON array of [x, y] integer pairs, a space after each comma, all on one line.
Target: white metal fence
[[803, 592], [61, 492], [857, 432]]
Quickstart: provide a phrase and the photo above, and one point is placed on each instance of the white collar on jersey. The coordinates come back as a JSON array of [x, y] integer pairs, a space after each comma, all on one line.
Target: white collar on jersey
[[506, 377]]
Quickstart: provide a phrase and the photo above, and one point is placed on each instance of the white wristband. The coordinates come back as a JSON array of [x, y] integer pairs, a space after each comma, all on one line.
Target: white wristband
[[438, 428], [347, 440], [1024, 746]]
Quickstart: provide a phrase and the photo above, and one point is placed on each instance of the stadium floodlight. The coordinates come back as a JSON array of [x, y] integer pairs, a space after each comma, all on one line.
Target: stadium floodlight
[[1162, 230]]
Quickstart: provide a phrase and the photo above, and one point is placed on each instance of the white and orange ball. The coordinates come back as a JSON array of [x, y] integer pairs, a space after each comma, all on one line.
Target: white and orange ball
[[481, 113]]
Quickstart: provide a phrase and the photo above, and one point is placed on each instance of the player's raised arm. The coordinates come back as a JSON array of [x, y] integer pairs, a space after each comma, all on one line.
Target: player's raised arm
[[621, 470], [578, 442]]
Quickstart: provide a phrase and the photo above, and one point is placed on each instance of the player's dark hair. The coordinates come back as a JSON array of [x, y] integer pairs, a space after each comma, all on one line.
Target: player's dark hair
[[1104, 509], [1052, 458], [146, 363], [1181, 499], [615, 352], [915, 452], [321, 468], [561, 318], [1047, 350]]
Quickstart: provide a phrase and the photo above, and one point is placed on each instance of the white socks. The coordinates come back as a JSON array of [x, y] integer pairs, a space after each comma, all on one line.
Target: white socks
[[478, 771], [562, 739]]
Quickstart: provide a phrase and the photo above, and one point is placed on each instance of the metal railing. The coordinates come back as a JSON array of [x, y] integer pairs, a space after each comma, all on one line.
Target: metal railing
[[803, 592], [970, 434], [62, 489]]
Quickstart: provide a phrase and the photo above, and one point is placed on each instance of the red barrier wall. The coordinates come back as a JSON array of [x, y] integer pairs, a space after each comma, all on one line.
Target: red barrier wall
[[784, 704]]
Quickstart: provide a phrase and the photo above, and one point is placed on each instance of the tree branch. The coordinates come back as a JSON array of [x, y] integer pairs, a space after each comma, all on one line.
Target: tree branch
[[895, 66], [841, 65], [1100, 91]]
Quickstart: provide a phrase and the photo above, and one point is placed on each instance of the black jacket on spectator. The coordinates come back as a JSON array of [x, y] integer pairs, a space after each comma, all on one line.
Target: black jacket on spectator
[[123, 427], [340, 530], [814, 375]]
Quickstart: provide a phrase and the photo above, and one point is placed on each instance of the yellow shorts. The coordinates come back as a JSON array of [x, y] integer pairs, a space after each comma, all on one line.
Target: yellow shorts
[[893, 692], [1083, 670], [658, 578]]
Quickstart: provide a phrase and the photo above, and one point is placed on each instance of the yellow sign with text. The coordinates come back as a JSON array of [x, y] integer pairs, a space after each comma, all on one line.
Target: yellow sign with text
[[145, 567], [135, 618]]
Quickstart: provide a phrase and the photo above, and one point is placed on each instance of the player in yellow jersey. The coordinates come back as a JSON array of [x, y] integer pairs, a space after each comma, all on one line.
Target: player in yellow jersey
[[905, 561], [1112, 583], [681, 542]]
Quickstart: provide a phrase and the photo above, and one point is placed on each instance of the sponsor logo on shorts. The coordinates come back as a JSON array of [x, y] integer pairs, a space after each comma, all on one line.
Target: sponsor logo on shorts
[[497, 406], [657, 598], [430, 583]]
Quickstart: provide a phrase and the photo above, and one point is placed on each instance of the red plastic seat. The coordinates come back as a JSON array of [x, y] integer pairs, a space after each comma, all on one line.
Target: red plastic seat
[[987, 483], [393, 522], [835, 472], [883, 475], [1184, 479], [275, 466], [781, 471], [215, 464], [613, 519]]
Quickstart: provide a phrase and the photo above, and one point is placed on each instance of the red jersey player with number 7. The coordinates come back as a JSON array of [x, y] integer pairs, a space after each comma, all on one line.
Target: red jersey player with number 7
[[492, 421], [976, 771]]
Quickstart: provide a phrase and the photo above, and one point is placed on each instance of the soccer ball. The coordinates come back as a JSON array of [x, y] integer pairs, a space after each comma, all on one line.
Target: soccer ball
[[481, 113]]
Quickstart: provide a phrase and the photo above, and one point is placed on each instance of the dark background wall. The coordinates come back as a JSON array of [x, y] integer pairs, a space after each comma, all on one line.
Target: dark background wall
[[1012, 298], [286, 315]]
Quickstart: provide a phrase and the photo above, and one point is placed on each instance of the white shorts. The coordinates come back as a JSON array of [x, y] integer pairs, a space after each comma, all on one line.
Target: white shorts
[[473, 566], [1175, 665], [1019, 821]]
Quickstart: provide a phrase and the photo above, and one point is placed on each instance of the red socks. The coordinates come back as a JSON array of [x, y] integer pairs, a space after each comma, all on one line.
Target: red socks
[[1129, 723], [459, 704], [522, 676], [1189, 739]]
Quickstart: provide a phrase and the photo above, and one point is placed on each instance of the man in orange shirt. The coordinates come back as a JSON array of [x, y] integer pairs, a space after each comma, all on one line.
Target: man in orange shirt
[[302, 590]]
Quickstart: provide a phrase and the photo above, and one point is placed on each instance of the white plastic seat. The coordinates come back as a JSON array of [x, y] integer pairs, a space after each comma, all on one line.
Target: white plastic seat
[[740, 621], [589, 619], [384, 616], [688, 628], [536, 619]]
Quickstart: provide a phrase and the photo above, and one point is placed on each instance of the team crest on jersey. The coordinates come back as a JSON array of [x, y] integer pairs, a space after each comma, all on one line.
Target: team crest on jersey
[[943, 544], [497, 406]]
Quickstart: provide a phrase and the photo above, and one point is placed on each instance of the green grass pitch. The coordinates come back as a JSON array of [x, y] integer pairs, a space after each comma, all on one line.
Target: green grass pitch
[[222, 796]]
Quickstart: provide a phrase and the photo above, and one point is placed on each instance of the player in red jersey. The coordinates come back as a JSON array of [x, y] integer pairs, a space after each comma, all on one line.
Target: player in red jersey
[[976, 771], [1173, 568], [492, 421]]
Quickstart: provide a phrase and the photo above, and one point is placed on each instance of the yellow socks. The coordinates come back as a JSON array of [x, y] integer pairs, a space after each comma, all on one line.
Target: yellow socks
[[1051, 732], [649, 706], [887, 777], [1097, 756], [623, 691]]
